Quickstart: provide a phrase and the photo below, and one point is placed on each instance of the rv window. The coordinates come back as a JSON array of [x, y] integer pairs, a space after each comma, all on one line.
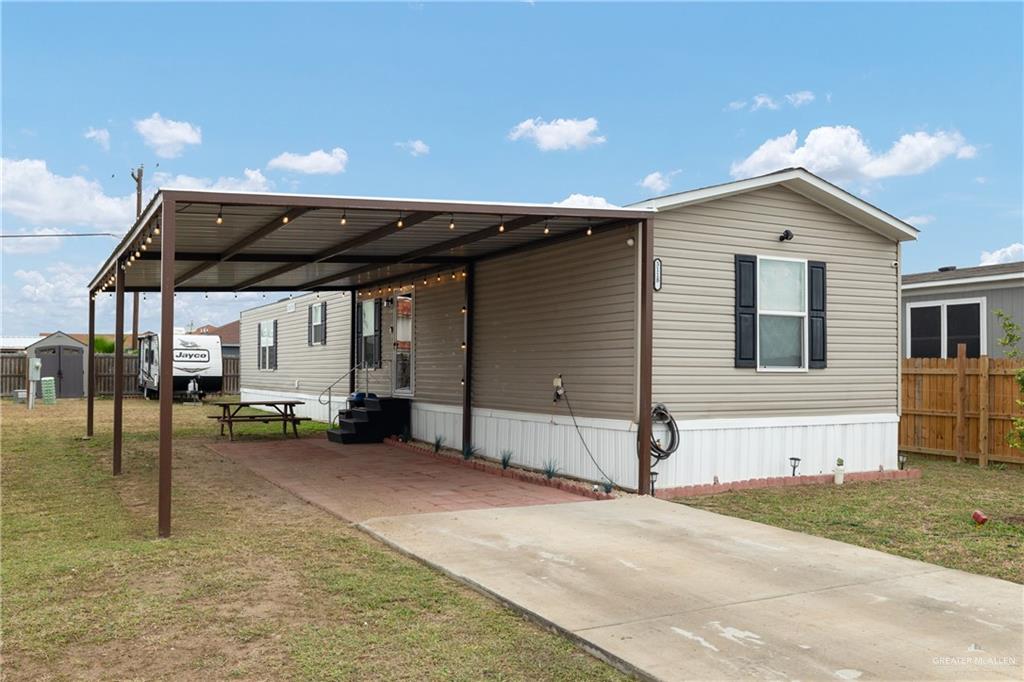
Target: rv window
[[317, 332], [781, 313]]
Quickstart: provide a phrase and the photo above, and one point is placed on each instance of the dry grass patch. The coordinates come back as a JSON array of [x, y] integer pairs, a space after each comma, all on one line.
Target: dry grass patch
[[254, 584]]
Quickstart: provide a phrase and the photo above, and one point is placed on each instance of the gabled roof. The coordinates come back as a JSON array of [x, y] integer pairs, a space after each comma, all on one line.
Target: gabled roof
[[974, 275], [229, 333], [801, 181]]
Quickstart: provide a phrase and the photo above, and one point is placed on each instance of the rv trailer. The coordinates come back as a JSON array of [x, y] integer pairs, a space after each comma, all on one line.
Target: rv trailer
[[198, 365]]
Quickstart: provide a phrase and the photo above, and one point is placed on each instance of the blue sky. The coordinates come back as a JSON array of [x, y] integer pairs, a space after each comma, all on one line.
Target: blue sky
[[917, 108]]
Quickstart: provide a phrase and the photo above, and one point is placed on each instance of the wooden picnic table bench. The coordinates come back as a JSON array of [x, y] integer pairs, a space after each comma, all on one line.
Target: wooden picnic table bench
[[285, 414]]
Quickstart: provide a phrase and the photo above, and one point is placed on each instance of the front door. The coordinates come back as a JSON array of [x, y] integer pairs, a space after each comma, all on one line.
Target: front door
[[403, 343]]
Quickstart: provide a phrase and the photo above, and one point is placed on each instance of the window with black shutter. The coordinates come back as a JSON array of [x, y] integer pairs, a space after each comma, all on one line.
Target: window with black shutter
[[316, 325]]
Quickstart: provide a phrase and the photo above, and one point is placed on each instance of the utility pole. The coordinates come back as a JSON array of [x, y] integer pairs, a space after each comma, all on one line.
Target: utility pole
[[137, 177]]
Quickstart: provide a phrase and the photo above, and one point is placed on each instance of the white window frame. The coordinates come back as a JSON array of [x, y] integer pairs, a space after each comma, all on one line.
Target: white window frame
[[319, 308], [782, 313], [942, 304], [259, 351]]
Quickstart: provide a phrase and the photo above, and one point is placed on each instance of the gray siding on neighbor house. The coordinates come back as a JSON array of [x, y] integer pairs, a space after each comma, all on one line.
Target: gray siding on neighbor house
[[694, 371], [1008, 297], [567, 309], [301, 368], [437, 341]]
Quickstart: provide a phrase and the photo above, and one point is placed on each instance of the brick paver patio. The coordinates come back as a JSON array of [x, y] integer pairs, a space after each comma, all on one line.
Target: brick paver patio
[[360, 482]]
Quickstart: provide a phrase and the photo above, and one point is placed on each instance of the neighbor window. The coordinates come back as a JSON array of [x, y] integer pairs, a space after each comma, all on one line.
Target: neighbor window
[[368, 338], [267, 332], [935, 328], [781, 313], [316, 332]]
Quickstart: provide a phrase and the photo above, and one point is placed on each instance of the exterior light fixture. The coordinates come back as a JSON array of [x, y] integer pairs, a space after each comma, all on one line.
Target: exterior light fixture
[[901, 458], [630, 241], [794, 462], [220, 216], [654, 477], [786, 236], [451, 223], [344, 219]]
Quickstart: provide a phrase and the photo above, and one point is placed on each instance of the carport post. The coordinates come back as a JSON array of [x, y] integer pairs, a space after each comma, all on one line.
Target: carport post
[[119, 274], [467, 362], [166, 382], [90, 380], [644, 427]]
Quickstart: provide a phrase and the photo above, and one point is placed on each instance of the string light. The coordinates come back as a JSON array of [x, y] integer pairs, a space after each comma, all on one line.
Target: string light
[[451, 223], [453, 275], [463, 310], [149, 239], [590, 230], [463, 345], [547, 230], [137, 255], [143, 247], [400, 222], [344, 219], [284, 220], [439, 278], [501, 227], [156, 230], [220, 217]]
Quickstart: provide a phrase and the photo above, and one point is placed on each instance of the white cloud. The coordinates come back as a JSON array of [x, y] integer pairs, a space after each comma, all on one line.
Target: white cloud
[[981, 180], [657, 181], [32, 192], [762, 101], [31, 245], [840, 153], [415, 147], [585, 201], [559, 134], [800, 98], [61, 285], [166, 137], [319, 162], [101, 136], [919, 220], [1008, 254], [252, 181], [736, 105]]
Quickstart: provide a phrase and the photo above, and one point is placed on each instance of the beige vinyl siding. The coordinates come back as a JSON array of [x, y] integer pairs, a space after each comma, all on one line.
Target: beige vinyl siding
[[313, 367], [439, 330], [694, 312], [567, 309]]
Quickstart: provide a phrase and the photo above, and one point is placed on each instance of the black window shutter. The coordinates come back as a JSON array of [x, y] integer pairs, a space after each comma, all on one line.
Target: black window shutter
[[260, 363], [817, 331], [358, 360], [378, 336], [309, 326], [323, 322], [273, 349], [746, 311]]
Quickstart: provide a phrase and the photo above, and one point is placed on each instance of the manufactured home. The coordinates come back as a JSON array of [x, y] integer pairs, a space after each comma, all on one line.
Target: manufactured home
[[775, 335], [761, 317], [959, 305]]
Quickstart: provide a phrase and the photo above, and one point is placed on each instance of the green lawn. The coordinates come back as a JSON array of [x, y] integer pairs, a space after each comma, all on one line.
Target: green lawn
[[928, 519], [254, 584]]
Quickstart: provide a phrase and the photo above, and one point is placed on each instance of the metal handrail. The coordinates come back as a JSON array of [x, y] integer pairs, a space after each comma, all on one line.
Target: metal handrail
[[366, 385]]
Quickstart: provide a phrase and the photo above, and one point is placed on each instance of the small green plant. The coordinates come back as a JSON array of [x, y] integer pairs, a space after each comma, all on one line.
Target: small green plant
[[840, 462], [1010, 341], [506, 458], [469, 452], [102, 345], [550, 469], [406, 435], [438, 443]]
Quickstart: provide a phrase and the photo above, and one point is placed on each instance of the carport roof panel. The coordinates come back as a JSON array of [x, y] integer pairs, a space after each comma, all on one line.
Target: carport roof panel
[[252, 232]]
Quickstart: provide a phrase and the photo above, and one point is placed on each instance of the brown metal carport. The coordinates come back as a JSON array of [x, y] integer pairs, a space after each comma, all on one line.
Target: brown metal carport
[[202, 241]]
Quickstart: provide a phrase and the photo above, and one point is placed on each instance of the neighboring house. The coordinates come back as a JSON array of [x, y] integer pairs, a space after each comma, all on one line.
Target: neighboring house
[[957, 305], [228, 333], [776, 335]]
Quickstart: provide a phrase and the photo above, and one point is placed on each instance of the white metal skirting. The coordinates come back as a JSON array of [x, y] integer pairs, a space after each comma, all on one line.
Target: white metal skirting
[[311, 407]]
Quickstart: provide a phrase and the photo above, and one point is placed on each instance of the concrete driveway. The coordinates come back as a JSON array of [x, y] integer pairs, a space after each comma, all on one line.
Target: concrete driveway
[[671, 592]]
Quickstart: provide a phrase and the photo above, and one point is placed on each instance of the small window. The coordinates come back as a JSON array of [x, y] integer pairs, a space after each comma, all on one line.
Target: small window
[[781, 314], [368, 341], [268, 344], [317, 331], [935, 328]]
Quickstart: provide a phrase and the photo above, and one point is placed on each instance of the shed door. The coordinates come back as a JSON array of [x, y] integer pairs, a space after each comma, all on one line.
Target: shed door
[[71, 373], [50, 367]]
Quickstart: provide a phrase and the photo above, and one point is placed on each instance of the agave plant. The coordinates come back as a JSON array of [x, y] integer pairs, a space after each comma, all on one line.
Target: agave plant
[[469, 452], [506, 458], [550, 469], [438, 443]]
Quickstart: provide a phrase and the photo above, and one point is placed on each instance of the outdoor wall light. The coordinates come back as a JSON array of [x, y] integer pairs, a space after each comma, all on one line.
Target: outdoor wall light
[[901, 458], [786, 236], [794, 462]]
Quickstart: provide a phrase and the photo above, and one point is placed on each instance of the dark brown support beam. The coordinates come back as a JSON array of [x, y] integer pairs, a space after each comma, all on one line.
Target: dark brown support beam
[[467, 361], [644, 426], [119, 274], [447, 245], [166, 380], [135, 320], [581, 233], [90, 379], [343, 246], [277, 258], [250, 239]]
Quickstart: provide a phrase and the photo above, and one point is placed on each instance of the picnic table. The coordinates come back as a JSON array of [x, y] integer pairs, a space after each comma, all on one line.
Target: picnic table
[[285, 414]]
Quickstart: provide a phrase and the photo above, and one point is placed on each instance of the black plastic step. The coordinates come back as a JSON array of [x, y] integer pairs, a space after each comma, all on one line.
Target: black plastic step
[[359, 414]]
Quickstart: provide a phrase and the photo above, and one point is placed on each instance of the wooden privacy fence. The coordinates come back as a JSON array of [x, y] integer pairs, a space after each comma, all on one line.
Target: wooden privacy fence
[[14, 370], [960, 407]]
